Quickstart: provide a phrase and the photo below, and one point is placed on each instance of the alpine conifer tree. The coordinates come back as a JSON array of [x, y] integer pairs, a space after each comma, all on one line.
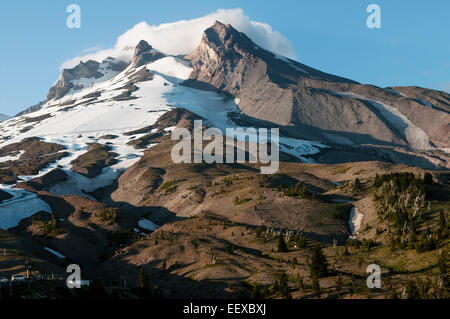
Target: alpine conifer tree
[[319, 264]]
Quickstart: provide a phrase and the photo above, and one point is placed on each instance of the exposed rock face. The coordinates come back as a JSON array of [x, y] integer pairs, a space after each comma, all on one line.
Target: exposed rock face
[[64, 84], [312, 104], [144, 54], [228, 60]]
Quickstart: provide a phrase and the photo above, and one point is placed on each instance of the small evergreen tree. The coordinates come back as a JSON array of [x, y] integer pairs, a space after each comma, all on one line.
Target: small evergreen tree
[[282, 247], [258, 231], [319, 264], [357, 185], [301, 242], [428, 178], [143, 279], [283, 284]]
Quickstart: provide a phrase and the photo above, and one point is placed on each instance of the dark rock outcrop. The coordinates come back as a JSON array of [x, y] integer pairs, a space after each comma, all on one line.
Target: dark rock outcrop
[[91, 163], [144, 54]]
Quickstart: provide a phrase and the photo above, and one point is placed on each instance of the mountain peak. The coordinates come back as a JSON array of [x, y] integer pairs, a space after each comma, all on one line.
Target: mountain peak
[[142, 47], [88, 69], [225, 36], [144, 54], [219, 26]]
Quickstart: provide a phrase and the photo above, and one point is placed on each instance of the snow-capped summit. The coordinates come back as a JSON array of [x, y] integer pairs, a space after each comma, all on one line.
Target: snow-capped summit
[[229, 79], [80, 77]]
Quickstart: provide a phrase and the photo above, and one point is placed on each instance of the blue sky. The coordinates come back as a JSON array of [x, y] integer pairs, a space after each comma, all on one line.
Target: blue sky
[[411, 48]]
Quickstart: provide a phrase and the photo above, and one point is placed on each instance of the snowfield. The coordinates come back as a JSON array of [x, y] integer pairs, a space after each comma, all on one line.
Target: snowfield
[[171, 67], [355, 221], [413, 134], [426, 103], [23, 205], [83, 117]]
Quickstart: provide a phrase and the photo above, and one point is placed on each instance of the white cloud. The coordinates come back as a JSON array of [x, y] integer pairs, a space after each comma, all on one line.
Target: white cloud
[[95, 48], [183, 37]]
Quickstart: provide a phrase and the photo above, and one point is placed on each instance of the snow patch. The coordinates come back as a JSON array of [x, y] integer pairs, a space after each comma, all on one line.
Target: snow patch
[[172, 67], [12, 157], [290, 62], [148, 225], [395, 92], [426, 103], [355, 221], [54, 252], [22, 205]]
